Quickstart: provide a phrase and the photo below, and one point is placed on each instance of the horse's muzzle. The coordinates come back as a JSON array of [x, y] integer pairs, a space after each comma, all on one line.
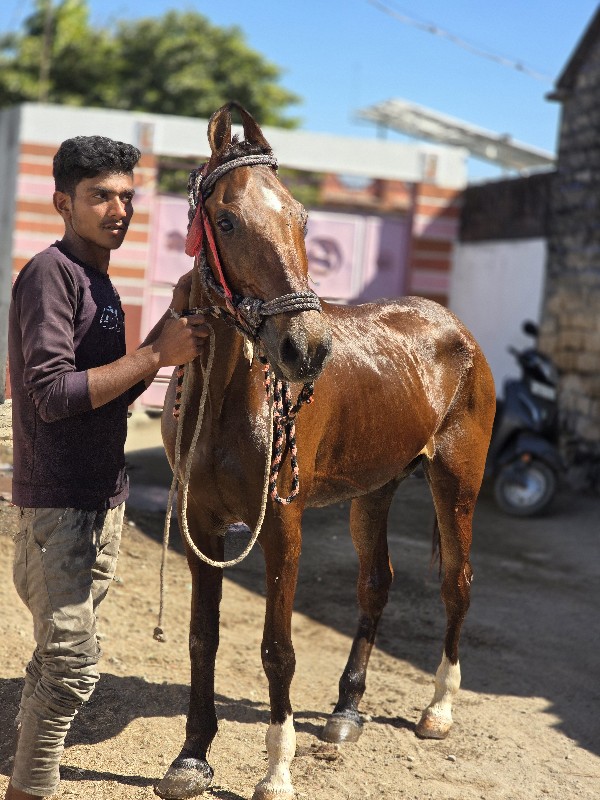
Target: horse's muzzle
[[299, 350]]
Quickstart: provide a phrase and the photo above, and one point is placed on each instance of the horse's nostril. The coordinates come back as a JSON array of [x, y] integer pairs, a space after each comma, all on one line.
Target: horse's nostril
[[323, 350], [289, 351], [302, 359]]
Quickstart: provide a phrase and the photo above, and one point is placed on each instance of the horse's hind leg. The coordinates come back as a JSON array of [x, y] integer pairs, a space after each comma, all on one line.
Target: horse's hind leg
[[368, 526], [454, 475], [190, 774]]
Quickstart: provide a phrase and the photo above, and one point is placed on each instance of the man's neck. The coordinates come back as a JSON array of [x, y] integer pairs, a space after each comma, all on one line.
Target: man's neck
[[90, 254]]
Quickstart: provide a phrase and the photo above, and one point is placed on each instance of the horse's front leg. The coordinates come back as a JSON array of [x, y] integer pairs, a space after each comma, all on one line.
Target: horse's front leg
[[281, 544], [190, 773]]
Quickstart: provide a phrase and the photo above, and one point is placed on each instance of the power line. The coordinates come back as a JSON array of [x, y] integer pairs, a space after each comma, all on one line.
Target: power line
[[436, 30]]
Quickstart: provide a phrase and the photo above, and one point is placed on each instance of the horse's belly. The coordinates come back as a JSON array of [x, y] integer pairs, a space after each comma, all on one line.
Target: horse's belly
[[345, 473]]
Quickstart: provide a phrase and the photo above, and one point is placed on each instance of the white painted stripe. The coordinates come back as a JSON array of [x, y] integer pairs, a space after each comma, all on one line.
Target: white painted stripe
[[429, 280], [30, 158], [435, 227]]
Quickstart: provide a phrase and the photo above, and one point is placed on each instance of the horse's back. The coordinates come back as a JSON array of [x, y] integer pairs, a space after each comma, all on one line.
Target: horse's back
[[412, 321], [409, 339]]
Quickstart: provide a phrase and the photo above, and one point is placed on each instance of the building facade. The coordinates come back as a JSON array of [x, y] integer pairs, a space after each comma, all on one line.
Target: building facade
[[385, 223], [571, 318]]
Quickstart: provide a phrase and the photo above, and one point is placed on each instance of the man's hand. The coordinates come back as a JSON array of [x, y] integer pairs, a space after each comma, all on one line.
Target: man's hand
[[181, 340]]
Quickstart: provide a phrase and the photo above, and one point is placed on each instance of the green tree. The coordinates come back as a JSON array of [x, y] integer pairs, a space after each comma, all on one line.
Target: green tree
[[179, 63]]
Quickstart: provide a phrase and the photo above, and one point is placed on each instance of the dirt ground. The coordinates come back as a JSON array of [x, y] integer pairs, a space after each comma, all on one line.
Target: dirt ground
[[527, 719]]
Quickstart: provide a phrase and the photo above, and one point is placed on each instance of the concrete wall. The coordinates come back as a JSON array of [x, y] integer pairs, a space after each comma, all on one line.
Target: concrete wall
[[494, 287], [9, 148]]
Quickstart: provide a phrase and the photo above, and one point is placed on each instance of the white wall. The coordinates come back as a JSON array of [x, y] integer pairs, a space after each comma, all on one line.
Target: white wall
[[494, 287], [185, 136]]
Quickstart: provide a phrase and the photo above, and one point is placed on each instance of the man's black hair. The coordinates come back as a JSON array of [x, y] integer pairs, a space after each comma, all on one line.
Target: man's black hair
[[87, 156]]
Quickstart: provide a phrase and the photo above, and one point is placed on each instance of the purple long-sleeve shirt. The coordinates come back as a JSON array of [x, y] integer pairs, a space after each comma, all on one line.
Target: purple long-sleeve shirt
[[65, 318]]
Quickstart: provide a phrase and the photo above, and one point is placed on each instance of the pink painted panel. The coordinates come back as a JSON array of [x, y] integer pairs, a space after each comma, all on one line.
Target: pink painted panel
[[330, 246], [29, 186], [154, 396], [384, 258], [168, 260]]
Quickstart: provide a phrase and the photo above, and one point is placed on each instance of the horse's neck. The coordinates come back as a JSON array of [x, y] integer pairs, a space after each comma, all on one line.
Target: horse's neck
[[198, 297], [228, 343]]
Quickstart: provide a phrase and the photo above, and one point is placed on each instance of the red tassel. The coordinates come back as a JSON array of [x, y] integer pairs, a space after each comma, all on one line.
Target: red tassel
[[193, 242]]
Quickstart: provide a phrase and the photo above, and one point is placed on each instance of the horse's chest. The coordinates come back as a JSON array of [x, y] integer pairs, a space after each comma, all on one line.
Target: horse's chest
[[229, 462]]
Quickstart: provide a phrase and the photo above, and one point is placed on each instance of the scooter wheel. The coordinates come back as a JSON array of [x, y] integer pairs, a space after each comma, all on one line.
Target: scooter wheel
[[525, 488]]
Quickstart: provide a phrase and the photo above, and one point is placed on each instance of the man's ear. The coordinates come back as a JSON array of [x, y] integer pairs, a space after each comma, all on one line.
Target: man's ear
[[63, 204]]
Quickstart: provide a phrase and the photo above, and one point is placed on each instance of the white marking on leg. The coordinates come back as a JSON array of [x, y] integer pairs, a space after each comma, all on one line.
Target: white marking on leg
[[447, 684], [281, 747], [271, 199]]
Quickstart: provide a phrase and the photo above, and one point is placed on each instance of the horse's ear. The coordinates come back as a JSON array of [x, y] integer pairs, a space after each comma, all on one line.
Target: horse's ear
[[219, 130], [252, 132]]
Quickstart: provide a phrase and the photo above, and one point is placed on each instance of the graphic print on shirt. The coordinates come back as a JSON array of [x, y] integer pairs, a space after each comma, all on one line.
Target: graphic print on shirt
[[110, 319]]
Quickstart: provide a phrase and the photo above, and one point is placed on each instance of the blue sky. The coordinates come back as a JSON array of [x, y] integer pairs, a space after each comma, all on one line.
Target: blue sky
[[343, 55]]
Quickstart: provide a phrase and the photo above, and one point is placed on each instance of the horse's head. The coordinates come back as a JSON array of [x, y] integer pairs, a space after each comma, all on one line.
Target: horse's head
[[259, 228]]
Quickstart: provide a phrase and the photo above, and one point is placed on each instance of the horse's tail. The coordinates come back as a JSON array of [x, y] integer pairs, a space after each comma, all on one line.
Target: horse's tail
[[436, 547]]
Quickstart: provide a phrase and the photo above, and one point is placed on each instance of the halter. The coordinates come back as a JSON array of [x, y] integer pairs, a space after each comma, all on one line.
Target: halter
[[246, 313]]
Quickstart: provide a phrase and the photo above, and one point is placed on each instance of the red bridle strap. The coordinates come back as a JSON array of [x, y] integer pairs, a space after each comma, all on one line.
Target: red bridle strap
[[213, 249], [199, 228]]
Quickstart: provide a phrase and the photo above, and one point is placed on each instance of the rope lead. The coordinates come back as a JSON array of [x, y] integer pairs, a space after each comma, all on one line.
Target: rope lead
[[159, 633]]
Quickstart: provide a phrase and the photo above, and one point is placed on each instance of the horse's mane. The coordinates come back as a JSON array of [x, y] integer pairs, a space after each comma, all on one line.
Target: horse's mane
[[238, 149]]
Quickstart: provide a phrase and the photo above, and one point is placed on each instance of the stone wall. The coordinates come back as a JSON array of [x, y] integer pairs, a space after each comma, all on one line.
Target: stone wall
[[571, 319], [514, 208]]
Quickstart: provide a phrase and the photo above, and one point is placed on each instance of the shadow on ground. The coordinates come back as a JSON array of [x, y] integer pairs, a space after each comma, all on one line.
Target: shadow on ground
[[532, 628]]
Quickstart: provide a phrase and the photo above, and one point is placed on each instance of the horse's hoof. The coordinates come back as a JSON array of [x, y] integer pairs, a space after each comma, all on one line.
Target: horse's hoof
[[186, 777], [265, 791], [433, 727], [344, 727]]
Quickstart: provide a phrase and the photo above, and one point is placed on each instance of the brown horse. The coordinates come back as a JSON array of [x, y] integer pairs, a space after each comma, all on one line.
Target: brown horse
[[400, 384]]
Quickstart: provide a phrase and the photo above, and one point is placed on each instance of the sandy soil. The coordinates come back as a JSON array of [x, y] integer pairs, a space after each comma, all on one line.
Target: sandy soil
[[527, 720]]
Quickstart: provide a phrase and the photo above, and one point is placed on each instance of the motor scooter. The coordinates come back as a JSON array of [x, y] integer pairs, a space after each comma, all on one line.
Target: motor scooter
[[523, 461]]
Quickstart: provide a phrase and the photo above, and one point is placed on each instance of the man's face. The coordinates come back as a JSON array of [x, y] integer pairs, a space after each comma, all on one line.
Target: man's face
[[100, 210]]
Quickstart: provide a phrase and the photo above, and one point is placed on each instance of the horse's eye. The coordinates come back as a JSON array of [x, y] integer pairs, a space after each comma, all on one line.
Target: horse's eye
[[225, 224]]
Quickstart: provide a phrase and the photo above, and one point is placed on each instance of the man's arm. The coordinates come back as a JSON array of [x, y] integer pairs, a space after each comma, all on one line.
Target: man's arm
[[171, 342], [45, 303], [179, 341]]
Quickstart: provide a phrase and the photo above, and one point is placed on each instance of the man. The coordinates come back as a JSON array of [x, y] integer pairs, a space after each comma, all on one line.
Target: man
[[72, 383]]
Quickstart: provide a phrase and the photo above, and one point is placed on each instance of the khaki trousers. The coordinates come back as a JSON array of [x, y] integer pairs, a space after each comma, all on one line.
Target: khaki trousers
[[64, 562]]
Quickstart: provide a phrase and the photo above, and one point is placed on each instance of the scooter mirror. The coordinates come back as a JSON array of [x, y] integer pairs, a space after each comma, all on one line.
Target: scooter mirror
[[530, 328]]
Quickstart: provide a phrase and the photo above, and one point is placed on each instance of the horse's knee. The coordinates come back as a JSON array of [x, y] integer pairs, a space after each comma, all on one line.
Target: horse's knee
[[279, 660], [203, 647]]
